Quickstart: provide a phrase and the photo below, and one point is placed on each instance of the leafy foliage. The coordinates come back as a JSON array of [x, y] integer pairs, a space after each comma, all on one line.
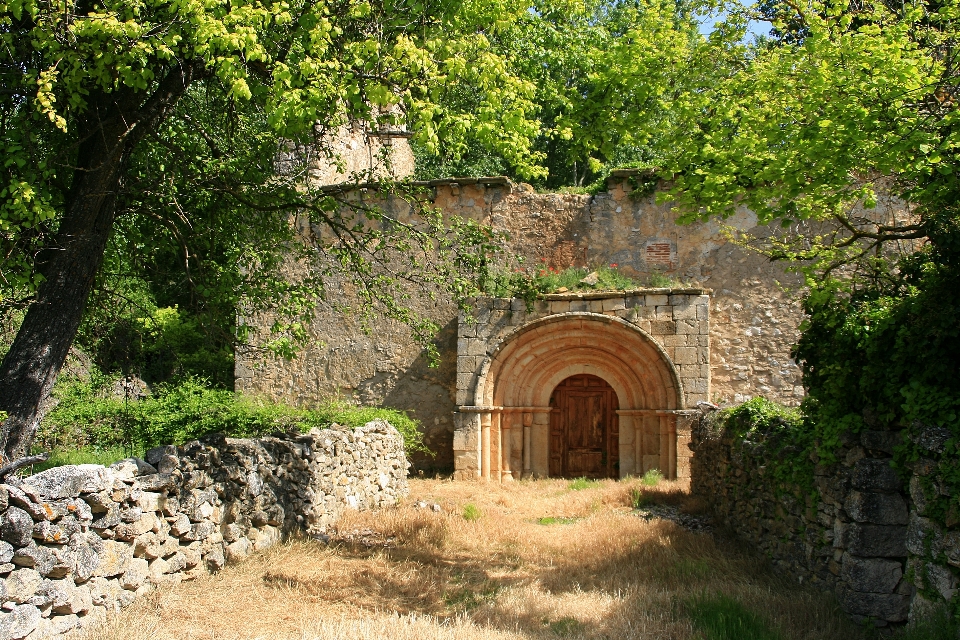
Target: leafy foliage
[[87, 416], [781, 435]]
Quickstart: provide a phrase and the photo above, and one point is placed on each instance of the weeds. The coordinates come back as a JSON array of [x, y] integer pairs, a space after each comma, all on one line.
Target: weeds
[[471, 512], [652, 477], [721, 617], [583, 483]]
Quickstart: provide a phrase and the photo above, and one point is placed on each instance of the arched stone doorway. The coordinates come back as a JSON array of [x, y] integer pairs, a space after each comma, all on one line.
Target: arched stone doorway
[[584, 429], [504, 427]]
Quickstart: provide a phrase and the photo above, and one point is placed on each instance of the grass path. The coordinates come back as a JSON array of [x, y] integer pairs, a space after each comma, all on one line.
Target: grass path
[[540, 559]]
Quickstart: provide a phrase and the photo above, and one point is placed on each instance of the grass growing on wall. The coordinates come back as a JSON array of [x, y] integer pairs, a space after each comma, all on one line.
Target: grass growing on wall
[[90, 425], [545, 280]]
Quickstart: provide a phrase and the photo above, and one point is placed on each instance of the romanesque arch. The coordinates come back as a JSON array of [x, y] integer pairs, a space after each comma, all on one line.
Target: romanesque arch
[[513, 388]]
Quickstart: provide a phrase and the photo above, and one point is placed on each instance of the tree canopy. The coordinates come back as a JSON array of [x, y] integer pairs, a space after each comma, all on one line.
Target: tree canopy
[[154, 127]]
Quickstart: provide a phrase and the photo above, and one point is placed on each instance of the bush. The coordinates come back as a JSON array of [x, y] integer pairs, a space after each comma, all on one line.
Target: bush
[[88, 418]]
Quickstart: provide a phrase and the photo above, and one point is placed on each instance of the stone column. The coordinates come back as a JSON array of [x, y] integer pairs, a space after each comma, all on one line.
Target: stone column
[[506, 444], [485, 419], [540, 443], [527, 444], [627, 444]]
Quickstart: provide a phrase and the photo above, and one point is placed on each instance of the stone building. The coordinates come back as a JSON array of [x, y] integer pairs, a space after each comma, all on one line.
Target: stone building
[[502, 400]]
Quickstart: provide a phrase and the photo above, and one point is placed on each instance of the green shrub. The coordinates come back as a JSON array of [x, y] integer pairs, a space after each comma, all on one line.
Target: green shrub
[[87, 417]]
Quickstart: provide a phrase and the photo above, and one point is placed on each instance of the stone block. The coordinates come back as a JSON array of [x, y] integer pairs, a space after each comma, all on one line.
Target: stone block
[[663, 327], [886, 607], [653, 300], [876, 508], [685, 355], [688, 327], [871, 575], [467, 364], [872, 474], [684, 311], [663, 312], [872, 540], [614, 304], [559, 306]]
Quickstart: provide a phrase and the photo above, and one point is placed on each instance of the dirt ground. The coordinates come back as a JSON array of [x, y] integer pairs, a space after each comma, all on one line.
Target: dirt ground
[[529, 559]]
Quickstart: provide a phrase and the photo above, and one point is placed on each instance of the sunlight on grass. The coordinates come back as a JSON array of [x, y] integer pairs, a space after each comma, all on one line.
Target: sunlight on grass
[[86, 455]]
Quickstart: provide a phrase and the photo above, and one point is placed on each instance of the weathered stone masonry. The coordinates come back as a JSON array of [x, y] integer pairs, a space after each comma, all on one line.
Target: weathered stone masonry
[[753, 318], [78, 542], [865, 533], [651, 345]]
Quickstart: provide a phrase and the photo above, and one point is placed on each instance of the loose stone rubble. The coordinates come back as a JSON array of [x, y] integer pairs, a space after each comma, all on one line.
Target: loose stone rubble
[[865, 532], [78, 542]]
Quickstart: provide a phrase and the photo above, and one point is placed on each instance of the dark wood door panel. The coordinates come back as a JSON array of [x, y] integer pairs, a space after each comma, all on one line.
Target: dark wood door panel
[[584, 433]]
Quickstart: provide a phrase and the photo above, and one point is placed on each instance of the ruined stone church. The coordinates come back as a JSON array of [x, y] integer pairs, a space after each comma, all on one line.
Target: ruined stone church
[[595, 384]]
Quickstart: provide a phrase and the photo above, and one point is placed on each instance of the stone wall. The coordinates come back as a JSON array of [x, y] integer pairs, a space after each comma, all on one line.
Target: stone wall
[[78, 542], [860, 531], [754, 311]]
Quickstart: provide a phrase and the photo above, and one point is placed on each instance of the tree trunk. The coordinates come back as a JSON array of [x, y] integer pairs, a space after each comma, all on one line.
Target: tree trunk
[[114, 124]]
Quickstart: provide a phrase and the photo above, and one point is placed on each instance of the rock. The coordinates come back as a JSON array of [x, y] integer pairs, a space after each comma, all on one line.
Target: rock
[[86, 550], [950, 547], [19, 498], [876, 508], [181, 525], [918, 533], [129, 531], [16, 527], [56, 625], [147, 546], [157, 482], [882, 441], [135, 575], [214, 558], [104, 593], [871, 474], [99, 502], [114, 559], [887, 607], [168, 464], [872, 540], [22, 584], [6, 552], [200, 531], [130, 468], [149, 501], [591, 279], [39, 558], [109, 519], [191, 556], [871, 575], [942, 579], [239, 550], [176, 563], [76, 599], [154, 455], [70, 481], [19, 621]]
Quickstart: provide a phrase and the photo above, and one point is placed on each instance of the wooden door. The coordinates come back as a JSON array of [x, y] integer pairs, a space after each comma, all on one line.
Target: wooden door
[[584, 435]]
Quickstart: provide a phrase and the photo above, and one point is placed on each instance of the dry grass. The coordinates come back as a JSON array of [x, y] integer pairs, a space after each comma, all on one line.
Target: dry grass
[[598, 571]]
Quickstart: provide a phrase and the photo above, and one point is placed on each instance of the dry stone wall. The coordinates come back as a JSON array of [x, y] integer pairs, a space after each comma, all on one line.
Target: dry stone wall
[[862, 529], [78, 542]]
